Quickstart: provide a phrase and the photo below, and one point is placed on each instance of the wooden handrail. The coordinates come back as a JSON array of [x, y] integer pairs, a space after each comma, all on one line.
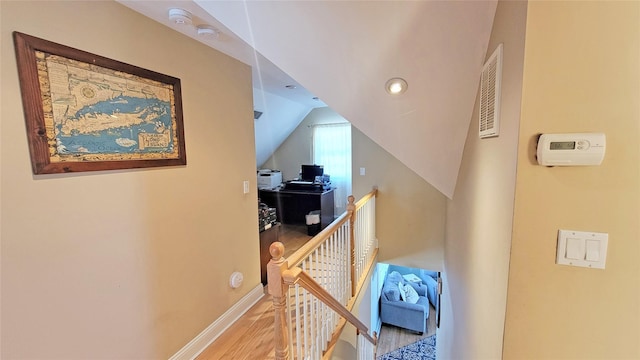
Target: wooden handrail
[[296, 258], [351, 210], [300, 277], [282, 273], [342, 323], [366, 198]]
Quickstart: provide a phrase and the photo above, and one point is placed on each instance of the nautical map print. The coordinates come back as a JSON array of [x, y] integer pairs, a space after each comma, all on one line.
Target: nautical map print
[[102, 114]]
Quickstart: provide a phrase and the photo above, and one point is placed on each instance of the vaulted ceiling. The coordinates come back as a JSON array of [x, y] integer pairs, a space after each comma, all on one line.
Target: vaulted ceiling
[[344, 52]]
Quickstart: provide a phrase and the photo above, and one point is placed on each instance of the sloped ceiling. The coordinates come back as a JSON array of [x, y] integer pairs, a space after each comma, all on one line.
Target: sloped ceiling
[[282, 108], [345, 51], [280, 118]]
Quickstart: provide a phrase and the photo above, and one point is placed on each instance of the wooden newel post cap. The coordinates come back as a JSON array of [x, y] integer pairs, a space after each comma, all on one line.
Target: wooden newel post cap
[[351, 206], [276, 250]]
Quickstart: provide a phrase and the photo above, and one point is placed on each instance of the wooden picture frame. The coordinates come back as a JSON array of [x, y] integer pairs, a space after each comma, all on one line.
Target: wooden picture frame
[[85, 112]]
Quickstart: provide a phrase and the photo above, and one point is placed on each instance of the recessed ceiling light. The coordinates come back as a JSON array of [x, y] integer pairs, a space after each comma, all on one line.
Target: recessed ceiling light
[[180, 17], [396, 86], [290, 87]]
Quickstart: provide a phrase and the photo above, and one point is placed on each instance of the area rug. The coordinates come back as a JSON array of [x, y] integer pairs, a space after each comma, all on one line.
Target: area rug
[[424, 349]]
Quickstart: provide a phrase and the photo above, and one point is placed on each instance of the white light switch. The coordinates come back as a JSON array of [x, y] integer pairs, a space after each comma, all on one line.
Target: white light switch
[[580, 248], [593, 250], [245, 187], [362, 171], [575, 249]]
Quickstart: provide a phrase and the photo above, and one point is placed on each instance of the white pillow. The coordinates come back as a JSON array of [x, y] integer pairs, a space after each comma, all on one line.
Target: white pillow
[[403, 295], [408, 293]]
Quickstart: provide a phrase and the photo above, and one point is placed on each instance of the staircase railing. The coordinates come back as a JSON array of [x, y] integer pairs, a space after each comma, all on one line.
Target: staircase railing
[[314, 290]]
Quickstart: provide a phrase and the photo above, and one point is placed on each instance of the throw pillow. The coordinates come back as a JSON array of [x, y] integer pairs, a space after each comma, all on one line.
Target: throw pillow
[[391, 292], [390, 287], [432, 288], [411, 294], [403, 294], [395, 277]]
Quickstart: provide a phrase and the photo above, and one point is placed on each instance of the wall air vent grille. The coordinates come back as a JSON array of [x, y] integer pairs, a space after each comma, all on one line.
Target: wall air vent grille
[[490, 84]]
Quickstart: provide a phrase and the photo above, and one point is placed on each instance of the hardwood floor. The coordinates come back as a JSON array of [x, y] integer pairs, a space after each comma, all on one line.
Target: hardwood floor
[[392, 337], [293, 237], [251, 337]]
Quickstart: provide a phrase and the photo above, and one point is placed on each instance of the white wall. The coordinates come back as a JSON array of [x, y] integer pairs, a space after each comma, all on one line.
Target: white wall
[[278, 121], [377, 282], [480, 215]]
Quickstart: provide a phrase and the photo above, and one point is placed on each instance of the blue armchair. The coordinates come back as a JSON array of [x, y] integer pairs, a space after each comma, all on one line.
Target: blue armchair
[[395, 311]]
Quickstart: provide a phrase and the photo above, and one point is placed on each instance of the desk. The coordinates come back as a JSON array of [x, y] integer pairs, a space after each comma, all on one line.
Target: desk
[[267, 237], [292, 205]]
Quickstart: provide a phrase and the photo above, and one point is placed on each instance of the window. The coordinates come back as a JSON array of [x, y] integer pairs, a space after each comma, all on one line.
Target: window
[[332, 149]]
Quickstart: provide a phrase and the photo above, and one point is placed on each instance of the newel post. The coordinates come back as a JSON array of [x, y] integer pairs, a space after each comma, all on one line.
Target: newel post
[[351, 209], [278, 290]]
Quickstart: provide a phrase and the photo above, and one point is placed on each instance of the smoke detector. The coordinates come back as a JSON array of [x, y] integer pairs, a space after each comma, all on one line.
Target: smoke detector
[[180, 17], [208, 31]]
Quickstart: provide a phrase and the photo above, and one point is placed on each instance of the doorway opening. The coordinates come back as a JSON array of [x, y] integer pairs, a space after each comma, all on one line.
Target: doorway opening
[[405, 308]]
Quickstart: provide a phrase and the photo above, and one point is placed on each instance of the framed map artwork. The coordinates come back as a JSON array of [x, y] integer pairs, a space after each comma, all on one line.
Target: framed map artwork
[[84, 112]]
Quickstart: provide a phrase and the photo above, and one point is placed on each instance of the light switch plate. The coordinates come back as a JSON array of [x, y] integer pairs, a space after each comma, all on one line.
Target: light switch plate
[[581, 248], [575, 248]]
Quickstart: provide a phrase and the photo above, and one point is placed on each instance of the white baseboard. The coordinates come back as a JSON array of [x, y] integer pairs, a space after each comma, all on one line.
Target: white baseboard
[[213, 331]]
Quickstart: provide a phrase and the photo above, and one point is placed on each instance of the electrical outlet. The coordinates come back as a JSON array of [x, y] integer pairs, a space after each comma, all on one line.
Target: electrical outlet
[[245, 185]]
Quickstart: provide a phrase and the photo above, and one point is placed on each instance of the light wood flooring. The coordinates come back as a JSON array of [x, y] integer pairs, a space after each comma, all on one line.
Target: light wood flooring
[[251, 337], [293, 237], [392, 337]]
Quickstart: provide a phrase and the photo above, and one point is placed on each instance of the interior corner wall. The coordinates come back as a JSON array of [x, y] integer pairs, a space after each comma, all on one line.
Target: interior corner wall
[[279, 119], [581, 74], [297, 148], [127, 264], [480, 215], [410, 213]]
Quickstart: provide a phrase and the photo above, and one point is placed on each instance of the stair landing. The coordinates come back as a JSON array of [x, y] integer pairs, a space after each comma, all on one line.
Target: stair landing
[[249, 338]]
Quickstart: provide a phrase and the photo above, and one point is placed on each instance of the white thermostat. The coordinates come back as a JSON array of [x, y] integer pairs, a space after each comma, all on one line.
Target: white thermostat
[[576, 149]]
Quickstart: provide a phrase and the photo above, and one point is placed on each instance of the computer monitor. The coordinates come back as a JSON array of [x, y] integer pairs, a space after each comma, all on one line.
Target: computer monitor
[[309, 172]]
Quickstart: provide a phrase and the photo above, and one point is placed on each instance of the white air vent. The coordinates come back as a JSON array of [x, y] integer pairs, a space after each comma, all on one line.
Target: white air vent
[[490, 84]]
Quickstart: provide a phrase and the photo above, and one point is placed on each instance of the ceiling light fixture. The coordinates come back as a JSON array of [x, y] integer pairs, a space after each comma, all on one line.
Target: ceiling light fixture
[[396, 86], [180, 17], [290, 87]]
